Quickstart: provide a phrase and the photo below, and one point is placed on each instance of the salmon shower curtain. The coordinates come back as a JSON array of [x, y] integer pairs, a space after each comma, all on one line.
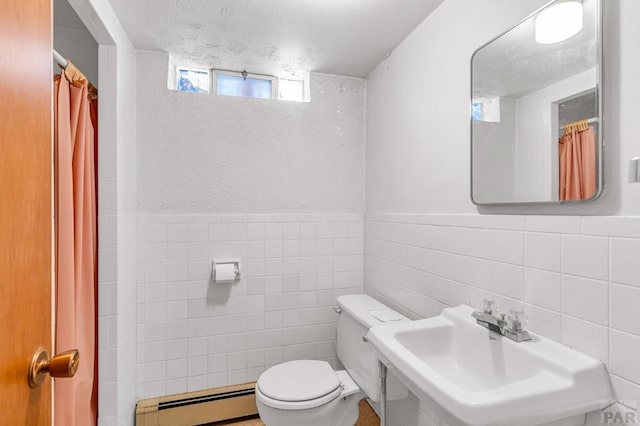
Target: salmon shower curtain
[[577, 154], [75, 400]]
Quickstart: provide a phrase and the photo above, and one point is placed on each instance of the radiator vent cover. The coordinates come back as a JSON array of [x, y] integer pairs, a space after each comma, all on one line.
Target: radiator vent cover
[[198, 408]]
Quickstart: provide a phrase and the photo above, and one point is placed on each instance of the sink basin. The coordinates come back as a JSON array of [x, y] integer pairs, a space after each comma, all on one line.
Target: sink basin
[[481, 378]]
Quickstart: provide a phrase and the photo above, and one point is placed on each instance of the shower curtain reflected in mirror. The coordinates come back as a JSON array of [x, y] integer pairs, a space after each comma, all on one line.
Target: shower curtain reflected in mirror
[[75, 102], [577, 156]]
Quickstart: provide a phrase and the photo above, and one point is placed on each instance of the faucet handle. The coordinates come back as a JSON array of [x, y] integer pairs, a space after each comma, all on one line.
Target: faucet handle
[[517, 321], [488, 306]]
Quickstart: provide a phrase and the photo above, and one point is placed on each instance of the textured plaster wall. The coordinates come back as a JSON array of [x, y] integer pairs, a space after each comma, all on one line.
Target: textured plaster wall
[[495, 156], [202, 153]]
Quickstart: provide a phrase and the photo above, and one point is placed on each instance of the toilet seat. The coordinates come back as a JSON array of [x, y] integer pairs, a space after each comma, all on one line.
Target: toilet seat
[[298, 385], [297, 405]]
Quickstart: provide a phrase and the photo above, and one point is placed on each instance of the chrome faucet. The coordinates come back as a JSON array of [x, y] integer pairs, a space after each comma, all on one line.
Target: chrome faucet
[[510, 326]]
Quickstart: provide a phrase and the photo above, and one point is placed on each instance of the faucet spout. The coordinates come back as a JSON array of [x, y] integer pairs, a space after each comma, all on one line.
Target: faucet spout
[[490, 321], [510, 326]]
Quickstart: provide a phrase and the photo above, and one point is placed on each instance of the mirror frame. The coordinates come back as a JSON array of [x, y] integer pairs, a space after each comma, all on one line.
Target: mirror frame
[[599, 20]]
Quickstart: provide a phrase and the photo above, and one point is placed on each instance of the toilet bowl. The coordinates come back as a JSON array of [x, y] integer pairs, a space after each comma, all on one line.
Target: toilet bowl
[[307, 393], [312, 393]]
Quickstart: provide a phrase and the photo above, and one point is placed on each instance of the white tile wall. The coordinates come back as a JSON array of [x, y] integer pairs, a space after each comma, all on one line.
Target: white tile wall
[[578, 278], [116, 226], [194, 335], [108, 224]]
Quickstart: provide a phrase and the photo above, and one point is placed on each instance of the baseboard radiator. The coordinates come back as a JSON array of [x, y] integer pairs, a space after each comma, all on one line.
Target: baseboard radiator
[[198, 408]]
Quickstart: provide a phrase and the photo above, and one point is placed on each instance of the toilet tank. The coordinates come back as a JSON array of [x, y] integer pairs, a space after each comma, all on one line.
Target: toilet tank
[[359, 312]]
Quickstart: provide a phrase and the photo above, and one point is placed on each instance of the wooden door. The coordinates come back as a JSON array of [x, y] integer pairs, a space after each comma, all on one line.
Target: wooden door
[[25, 207]]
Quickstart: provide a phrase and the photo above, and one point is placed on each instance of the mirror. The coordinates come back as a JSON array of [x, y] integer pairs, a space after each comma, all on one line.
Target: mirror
[[536, 102]]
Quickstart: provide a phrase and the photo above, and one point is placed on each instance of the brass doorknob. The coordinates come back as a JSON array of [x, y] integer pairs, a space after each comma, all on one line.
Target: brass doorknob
[[64, 364]]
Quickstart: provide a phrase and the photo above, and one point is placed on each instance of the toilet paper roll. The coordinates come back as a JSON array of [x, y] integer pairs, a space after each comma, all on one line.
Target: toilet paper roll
[[225, 272]]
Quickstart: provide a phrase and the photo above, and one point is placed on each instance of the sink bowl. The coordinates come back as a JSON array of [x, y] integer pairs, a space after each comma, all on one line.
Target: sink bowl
[[481, 378]]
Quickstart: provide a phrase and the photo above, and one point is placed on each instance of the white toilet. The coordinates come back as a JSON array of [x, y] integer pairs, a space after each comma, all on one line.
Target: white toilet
[[311, 393]]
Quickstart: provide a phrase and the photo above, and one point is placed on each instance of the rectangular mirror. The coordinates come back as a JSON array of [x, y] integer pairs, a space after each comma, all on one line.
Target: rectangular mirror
[[536, 105]]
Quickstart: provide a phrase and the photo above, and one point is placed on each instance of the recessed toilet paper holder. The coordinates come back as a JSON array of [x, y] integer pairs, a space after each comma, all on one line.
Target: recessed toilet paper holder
[[225, 271]]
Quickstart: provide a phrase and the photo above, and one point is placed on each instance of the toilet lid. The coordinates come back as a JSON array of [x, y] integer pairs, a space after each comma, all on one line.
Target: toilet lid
[[298, 381]]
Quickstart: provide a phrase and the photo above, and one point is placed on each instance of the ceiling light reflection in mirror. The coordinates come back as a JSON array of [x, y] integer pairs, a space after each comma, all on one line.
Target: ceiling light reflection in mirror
[[559, 22]]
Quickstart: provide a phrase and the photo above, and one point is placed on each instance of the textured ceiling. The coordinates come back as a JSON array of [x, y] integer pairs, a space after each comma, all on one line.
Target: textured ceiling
[[515, 64], [347, 37]]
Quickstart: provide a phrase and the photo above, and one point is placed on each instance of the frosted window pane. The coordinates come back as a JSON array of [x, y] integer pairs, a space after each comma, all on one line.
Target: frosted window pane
[[486, 109], [291, 90], [231, 85], [193, 80], [476, 111]]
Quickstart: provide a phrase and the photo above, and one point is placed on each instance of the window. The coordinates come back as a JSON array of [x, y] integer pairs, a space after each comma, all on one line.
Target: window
[[486, 109], [193, 80], [241, 84], [246, 85], [291, 90], [476, 111]]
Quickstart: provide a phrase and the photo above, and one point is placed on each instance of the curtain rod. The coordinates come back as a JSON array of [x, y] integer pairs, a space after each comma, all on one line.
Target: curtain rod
[[591, 120], [60, 60]]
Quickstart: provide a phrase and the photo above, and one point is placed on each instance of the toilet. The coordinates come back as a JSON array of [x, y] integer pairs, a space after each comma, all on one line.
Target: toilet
[[312, 393]]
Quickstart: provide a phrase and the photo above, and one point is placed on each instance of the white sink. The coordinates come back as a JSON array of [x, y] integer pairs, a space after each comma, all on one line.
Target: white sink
[[482, 378]]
